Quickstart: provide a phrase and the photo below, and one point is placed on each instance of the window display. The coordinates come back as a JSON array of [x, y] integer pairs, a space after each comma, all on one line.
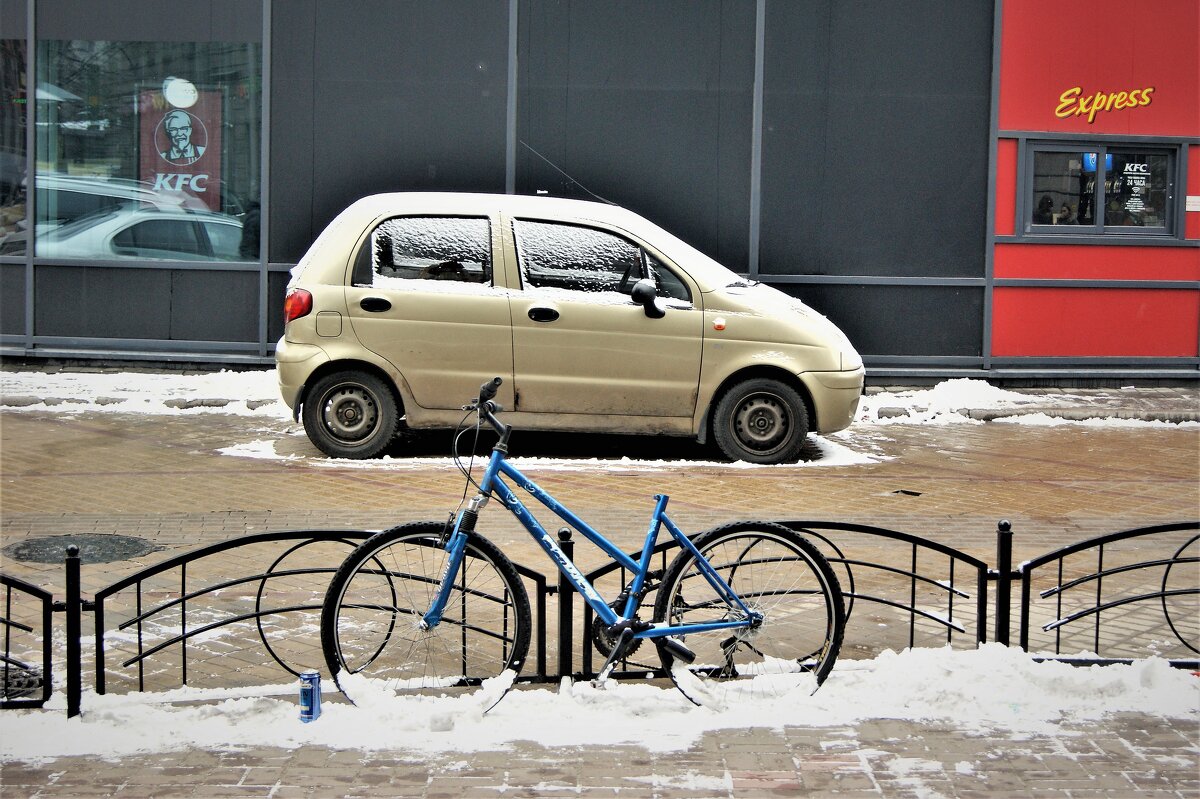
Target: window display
[[129, 128], [1107, 189]]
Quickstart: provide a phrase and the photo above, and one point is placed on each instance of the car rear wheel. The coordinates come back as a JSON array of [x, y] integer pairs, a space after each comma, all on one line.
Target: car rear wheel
[[761, 421], [350, 415]]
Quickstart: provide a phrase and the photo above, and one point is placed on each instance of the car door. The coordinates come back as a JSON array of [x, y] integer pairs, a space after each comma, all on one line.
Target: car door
[[580, 343], [422, 296]]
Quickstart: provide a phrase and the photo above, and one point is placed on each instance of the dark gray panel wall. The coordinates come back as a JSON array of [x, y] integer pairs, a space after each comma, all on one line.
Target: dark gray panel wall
[[647, 105], [406, 96], [150, 20], [875, 143], [902, 320], [12, 299], [182, 305], [276, 291], [12, 19]]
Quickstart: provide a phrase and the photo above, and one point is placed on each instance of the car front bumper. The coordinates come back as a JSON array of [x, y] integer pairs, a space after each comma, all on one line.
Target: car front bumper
[[835, 397]]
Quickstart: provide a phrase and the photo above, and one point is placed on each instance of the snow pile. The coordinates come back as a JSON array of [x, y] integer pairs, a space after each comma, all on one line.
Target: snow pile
[[946, 403], [991, 690], [252, 393]]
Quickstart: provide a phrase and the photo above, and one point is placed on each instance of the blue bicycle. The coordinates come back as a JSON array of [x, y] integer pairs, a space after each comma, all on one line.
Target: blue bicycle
[[431, 608]]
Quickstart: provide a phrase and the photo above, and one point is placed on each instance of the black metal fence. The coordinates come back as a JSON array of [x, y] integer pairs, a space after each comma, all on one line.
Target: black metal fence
[[28, 645], [246, 611]]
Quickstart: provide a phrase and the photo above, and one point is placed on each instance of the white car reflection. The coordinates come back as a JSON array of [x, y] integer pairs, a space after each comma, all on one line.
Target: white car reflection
[[146, 233]]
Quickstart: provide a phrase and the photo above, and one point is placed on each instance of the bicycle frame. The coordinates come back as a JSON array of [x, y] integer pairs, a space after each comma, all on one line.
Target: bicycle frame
[[493, 484]]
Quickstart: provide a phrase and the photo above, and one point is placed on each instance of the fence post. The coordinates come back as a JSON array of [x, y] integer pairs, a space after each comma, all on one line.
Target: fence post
[[74, 630], [565, 610], [1003, 580]]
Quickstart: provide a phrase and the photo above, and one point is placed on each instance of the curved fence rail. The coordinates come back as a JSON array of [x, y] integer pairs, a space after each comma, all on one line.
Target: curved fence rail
[[27, 658], [247, 611], [1140, 582], [935, 590]]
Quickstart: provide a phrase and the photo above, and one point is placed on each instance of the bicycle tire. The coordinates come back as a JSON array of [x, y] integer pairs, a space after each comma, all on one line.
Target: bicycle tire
[[775, 571], [370, 615]]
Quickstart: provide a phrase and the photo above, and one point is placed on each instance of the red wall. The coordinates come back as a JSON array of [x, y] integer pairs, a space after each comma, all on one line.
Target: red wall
[[1107, 46], [1095, 322], [1118, 50]]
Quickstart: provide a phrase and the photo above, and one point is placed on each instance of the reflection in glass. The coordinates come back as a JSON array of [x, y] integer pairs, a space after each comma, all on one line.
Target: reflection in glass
[[12, 146], [1062, 189], [148, 150]]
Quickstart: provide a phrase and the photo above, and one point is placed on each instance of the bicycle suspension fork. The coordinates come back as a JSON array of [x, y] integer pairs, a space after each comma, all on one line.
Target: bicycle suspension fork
[[455, 547]]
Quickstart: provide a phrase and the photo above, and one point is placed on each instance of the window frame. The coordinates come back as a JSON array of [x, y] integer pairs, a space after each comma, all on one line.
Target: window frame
[[1172, 229]]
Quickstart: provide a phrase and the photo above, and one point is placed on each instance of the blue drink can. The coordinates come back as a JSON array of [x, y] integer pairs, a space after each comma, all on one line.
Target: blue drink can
[[310, 696]]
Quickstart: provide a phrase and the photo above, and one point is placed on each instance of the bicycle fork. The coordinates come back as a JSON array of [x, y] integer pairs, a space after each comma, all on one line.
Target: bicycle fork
[[455, 547]]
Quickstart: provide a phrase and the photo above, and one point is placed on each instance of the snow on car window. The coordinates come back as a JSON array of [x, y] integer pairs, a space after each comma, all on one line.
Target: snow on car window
[[432, 248], [576, 258]]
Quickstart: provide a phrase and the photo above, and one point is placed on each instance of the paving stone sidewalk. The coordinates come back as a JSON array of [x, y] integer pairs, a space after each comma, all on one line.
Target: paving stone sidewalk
[[165, 480], [1126, 755]]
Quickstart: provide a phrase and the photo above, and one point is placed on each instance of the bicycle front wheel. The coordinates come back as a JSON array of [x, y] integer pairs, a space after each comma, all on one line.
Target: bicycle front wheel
[[777, 574], [370, 622]]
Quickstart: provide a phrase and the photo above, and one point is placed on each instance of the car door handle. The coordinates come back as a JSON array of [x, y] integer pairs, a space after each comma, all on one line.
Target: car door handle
[[374, 304], [540, 314]]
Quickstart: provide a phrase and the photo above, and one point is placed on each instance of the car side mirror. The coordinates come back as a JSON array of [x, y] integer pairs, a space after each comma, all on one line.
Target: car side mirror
[[645, 295]]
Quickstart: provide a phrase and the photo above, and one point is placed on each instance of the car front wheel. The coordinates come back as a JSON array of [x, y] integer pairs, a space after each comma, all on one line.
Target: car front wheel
[[761, 421], [350, 415]]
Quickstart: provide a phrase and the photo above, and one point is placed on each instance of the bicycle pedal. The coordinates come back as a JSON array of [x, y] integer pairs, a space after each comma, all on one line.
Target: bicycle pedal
[[675, 649]]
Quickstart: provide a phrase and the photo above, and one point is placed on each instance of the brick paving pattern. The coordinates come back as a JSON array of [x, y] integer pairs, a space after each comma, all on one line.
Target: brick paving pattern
[[163, 479]]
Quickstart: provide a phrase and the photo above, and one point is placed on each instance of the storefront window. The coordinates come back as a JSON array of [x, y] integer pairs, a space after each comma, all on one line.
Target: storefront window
[[12, 146], [148, 150], [1131, 186]]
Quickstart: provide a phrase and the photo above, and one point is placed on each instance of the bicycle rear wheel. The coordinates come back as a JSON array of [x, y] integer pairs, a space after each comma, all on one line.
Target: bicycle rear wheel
[[778, 574], [370, 633]]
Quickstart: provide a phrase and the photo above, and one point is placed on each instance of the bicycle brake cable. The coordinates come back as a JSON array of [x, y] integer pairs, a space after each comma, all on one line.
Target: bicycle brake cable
[[466, 470]]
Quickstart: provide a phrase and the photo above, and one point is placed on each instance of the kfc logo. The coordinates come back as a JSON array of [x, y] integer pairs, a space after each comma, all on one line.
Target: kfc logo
[[181, 138]]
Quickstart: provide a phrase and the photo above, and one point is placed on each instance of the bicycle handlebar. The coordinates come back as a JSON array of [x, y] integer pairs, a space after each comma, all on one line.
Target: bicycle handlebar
[[488, 390], [488, 409]]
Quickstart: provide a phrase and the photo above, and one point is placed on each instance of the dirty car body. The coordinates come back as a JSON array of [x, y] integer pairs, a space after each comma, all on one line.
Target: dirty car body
[[597, 319]]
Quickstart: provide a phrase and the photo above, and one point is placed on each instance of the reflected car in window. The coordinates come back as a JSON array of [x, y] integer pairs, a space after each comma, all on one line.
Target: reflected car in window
[[597, 319], [146, 233]]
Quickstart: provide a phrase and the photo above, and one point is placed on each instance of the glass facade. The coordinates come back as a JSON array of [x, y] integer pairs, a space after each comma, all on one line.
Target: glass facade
[[12, 145], [148, 150]]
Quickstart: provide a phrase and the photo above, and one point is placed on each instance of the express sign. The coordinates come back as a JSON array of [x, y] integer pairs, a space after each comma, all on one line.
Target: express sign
[[1073, 102]]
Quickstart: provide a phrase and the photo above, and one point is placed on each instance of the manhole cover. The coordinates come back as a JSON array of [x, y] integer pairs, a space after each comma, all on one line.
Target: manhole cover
[[93, 548]]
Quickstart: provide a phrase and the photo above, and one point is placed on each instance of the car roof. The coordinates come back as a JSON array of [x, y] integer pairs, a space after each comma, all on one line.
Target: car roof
[[707, 272]]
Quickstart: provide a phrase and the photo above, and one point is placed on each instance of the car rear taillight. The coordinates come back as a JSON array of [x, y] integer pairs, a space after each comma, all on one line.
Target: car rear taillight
[[297, 303]]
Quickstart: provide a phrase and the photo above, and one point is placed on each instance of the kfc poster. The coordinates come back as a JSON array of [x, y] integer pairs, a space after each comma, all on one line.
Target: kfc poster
[[180, 147]]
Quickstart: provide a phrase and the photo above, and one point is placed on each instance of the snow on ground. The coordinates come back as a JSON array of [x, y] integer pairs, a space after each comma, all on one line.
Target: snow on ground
[[994, 690], [256, 393]]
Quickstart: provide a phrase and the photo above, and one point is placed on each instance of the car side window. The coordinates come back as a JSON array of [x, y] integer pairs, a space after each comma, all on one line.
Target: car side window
[[167, 235], [225, 240], [577, 258], [429, 248], [666, 281]]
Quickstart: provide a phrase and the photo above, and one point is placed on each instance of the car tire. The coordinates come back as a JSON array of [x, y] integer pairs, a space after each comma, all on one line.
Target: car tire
[[350, 414], [761, 421]]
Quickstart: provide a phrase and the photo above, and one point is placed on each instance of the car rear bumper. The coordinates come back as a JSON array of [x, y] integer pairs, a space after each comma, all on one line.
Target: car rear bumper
[[835, 397], [293, 365]]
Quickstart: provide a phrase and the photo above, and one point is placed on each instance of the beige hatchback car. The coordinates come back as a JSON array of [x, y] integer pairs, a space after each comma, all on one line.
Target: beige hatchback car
[[597, 319]]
